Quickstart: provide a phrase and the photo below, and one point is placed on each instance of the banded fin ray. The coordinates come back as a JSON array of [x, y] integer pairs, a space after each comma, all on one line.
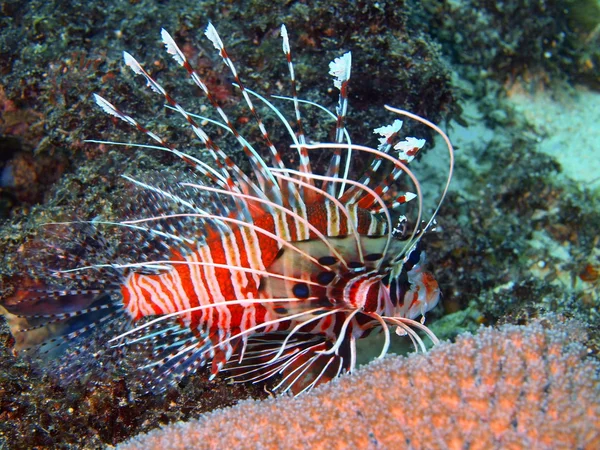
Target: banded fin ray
[[292, 197], [258, 164], [268, 272], [301, 366]]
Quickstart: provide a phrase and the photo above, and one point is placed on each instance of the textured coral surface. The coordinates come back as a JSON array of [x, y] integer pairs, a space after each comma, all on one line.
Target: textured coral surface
[[516, 387]]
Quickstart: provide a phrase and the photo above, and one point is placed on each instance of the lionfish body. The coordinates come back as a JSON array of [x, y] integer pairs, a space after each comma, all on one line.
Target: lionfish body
[[277, 272]]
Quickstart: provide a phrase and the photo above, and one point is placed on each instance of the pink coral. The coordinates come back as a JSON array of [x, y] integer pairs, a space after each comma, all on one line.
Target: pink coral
[[516, 387]]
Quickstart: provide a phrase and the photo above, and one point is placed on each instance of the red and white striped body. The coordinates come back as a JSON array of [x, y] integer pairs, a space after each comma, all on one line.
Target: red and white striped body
[[197, 279]]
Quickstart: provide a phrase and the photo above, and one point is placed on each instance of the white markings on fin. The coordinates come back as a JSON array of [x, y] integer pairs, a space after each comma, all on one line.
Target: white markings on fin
[[339, 68], [213, 36], [408, 148], [388, 131], [286, 40], [172, 47]]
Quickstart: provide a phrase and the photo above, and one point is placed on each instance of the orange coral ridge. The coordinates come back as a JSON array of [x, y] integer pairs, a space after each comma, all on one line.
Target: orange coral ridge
[[514, 387]]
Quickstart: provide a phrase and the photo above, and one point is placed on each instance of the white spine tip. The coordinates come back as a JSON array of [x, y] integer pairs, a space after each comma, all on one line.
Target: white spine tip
[[213, 36], [106, 106], [408, 196], [387, 131], [98, 99], [131, 62], [286, 40], [409, 144], [172, 48], [339, 68]]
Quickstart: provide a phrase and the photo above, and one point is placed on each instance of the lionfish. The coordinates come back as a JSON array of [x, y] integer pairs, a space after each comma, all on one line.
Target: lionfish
[[271, 272]]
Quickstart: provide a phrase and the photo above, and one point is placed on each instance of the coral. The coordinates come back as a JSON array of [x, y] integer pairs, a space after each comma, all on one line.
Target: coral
[[513, 387]]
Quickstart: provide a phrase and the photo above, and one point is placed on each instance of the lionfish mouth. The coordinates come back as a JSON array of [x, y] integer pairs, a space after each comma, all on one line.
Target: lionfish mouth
[[274, 272]]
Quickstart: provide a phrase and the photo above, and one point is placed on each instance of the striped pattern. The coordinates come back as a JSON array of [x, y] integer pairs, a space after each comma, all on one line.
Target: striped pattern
[[198, 279], [277, 271]]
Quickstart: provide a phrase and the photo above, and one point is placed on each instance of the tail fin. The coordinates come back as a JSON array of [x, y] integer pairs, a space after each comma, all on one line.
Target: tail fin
[[50, 304], [44, 319]]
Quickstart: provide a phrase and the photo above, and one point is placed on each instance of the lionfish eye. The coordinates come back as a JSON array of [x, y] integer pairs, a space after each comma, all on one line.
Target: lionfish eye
[[414, 256]]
